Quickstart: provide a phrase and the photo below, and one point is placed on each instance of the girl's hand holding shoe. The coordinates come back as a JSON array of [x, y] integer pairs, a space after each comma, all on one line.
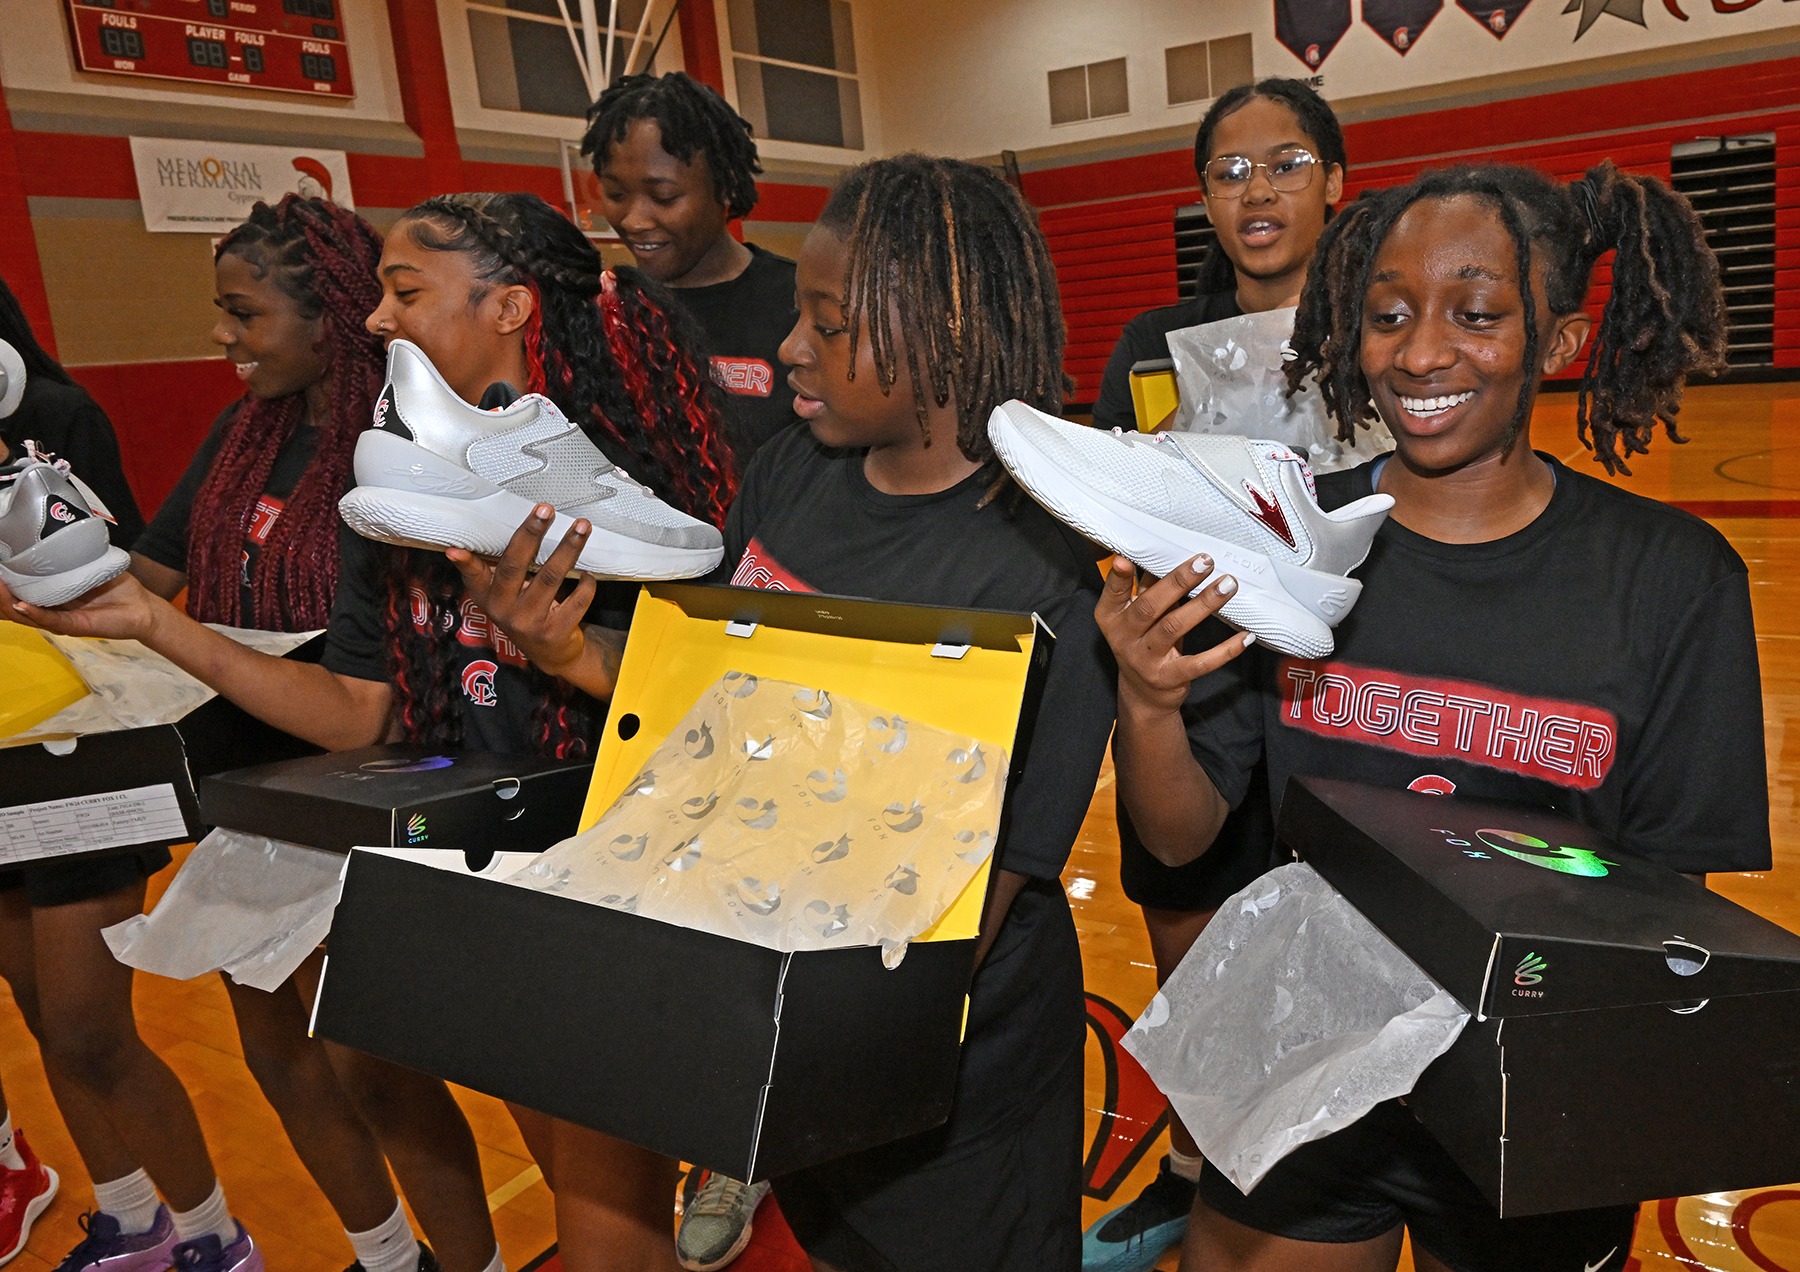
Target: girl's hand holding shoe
[[1146, 632], [528, 607], [120, 609]]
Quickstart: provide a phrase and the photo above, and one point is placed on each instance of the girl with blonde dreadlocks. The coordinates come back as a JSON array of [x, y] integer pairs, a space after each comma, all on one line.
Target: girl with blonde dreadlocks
[[1525, 633], [927, 297]]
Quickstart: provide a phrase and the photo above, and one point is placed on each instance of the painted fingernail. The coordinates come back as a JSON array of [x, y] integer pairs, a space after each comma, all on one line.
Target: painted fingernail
[[1227, 585], [1202, 563], [544, 512], [1249, 639], [582, 527]]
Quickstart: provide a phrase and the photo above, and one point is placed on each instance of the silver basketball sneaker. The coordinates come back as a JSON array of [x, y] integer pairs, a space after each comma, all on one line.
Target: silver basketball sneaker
[[53, 532], [438, 473], [1161, 499]]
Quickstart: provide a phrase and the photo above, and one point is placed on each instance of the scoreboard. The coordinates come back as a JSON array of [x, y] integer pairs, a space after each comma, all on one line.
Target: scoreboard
[[289, 46]]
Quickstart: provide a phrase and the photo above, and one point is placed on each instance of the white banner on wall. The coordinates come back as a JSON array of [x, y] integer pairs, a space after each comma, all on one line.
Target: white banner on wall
[[206, 187]]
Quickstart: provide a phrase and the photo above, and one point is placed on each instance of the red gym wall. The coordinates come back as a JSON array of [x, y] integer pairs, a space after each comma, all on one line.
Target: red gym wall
[[1115, 257]]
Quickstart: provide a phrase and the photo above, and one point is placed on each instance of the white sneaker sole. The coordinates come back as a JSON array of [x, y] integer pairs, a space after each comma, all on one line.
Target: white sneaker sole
[[1263, 605], [35, 1207], [57, 589], [484, 526]]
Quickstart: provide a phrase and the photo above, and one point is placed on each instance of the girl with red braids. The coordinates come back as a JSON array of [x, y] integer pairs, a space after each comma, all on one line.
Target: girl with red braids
[[503, 294]]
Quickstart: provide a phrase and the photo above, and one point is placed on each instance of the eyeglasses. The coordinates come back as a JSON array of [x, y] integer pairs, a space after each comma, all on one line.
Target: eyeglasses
[[1228, 176]]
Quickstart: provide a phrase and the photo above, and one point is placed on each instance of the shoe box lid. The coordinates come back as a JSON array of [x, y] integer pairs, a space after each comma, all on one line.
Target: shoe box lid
[[751, 1061], [424, 797], [1521, 911], [130, 788]]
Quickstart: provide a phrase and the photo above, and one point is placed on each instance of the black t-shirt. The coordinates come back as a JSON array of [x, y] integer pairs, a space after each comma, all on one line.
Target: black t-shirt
[[1601, 661], [745, 321], [494, 695], [1146, 339], [63, 420], [166, 540], [807, 520]]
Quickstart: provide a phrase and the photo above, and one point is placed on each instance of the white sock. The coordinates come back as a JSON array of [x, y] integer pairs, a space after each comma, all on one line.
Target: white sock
[[495, 1264], [9, 1151], [389, 1247], [1187, 1167], [209, 1219], [131, 1200]]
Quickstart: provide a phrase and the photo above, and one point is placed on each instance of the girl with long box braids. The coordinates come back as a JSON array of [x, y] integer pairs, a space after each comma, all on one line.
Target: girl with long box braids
[[1512, 603], [927, 297], [502, 293]]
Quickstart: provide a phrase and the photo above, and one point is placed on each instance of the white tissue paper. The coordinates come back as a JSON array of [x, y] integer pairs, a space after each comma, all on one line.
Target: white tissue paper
[[249, 906], [1289, 1019], [131, 687], [792, 818], [1233, 379]]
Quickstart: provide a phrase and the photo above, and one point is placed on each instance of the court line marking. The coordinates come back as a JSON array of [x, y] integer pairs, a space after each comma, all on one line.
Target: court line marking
[[513, 1187]]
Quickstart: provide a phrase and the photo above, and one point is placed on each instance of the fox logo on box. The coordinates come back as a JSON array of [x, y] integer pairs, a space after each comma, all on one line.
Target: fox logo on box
[[478, 682]]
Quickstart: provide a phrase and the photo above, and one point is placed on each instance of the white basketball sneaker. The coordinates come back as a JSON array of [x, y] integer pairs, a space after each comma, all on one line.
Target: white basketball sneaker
[[1162, 499], [53, 532], [438, 473]]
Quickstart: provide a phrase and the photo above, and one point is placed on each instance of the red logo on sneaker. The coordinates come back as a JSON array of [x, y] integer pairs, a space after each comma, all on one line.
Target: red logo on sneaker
[[478, 682], [1270, 514], [59, 511]]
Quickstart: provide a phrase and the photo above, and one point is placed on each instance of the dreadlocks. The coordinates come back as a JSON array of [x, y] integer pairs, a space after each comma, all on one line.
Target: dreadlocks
[[323, 259], [1318, 124], [1664, 319], [615, 354], [693, 119], [954, 252]]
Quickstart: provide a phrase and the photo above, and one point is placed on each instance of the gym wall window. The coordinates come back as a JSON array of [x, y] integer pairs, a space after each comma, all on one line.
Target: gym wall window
[[794, 63], [1095, 91], [525, 61], [1204, 70]]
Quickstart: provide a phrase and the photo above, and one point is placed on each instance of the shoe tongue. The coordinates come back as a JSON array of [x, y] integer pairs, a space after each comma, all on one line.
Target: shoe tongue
[[498, 396]]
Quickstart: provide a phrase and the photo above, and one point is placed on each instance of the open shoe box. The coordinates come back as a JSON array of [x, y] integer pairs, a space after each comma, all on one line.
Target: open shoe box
[[112, 791], [1635, 1035], [747, 1060]]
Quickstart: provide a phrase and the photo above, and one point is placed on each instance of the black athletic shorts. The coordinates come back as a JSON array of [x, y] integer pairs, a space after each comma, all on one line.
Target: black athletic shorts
[[1013, 1204], [64, 882], [1243, 851], [1387, 1170]]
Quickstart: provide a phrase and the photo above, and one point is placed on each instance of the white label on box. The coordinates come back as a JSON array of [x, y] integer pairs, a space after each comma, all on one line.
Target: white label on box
[[57, 827]]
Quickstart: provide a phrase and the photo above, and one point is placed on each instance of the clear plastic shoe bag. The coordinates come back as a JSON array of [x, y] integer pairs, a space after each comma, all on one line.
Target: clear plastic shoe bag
[[793, 818], [1289, 1019], [1233, 379]]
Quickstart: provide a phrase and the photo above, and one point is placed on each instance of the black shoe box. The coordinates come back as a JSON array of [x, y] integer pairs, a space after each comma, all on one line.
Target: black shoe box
[[1635, 1036], [404, 796], [211, 738], [750, 1061]]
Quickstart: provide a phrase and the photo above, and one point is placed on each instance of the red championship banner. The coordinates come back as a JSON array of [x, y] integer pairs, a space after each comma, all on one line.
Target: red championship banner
[[284, 46]]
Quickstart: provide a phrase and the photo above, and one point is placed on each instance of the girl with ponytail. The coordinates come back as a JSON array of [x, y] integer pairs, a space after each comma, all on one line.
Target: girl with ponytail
[[504, 295], [1500, 578]]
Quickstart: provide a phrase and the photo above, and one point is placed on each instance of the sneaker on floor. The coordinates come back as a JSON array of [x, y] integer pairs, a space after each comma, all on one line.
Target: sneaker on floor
[[716, 1224], [1137, 1234], [210, 1254], [1161, 499], [106, 1249], [438, 473], [53, 532], [24, 1195], [428, 1262]]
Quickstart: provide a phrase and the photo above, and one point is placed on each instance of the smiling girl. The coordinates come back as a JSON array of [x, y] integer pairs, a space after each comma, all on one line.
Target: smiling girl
[[1513, 589]]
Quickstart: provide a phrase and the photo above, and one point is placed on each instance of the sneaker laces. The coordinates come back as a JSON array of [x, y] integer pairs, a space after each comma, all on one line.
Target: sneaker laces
[[102, 1232], [719, 1196]]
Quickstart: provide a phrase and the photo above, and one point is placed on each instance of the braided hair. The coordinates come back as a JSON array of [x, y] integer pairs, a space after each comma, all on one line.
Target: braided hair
[[1318, 123], [956, 252], [615, 354], [693, 119], [1664, 318], [323, 259]]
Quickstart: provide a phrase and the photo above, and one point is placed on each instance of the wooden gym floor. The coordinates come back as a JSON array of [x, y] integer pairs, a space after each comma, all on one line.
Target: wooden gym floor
[[1741, 471]]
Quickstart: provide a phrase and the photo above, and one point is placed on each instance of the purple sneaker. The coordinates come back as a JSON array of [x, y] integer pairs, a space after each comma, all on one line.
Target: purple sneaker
[[106, 1249], [209, 1254]]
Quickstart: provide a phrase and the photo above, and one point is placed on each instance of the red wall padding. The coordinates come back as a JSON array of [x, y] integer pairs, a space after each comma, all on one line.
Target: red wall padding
[[1116, 257]]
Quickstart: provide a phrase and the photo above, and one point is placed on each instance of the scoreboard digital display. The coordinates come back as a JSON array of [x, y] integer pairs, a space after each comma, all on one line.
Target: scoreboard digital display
[[286, 46]]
